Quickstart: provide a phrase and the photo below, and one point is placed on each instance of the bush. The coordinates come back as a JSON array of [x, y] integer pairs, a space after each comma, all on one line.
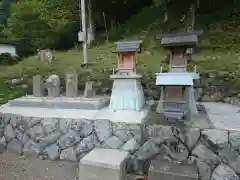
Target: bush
[[8, 59]]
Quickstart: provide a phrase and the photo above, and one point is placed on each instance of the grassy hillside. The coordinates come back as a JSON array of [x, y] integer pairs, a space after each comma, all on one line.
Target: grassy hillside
[[219, 68]]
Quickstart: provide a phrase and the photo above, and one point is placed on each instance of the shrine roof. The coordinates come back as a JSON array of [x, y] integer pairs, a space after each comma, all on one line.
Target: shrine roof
[[187, 39], [128, 46]]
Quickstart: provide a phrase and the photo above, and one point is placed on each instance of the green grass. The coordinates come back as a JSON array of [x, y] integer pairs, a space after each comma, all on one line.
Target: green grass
[[224, 66]]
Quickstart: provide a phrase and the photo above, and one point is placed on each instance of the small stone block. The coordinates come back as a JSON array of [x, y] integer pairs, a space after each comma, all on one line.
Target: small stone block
[[103, 164], [165, 170]]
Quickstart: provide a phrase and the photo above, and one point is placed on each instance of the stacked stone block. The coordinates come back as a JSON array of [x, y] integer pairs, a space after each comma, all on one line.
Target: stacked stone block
[[215, 152]]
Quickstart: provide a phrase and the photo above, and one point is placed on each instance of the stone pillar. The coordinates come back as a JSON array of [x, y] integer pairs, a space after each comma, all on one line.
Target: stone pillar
[[192, 103], [89, 92], [160, 108], [37, 86], [71, 84]]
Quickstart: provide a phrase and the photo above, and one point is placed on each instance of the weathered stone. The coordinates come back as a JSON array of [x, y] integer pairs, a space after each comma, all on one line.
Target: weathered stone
[[1, 132], [234, 138], [148, 150], [179, 134], [69, 139], [224, 172], [68, 154], [49, 139], [37, 86], [87, 144], [50, 125], [15, 146], [204, 170], [71, 84], [21, 136], [139, 132], [215, 139], [15, 120], [160, 133], [191, 138], [5, 118], [9, 133], [84, 127], [206, 98], [65, 125], [36, 132], [2, 144], [2, 124], [103, 129], [113, 142], [177, 151], [231, 157], [121, 130], [31, 121], [131, 146], [31, 148], [53, 152], [191, 160], [206, 155], [53, 85]]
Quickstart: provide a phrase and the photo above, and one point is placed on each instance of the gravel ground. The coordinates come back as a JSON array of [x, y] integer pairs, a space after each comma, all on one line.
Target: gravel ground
[[13, 166]]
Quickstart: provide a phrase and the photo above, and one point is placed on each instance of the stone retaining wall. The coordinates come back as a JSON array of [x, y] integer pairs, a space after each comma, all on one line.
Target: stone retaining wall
[[215, 152]]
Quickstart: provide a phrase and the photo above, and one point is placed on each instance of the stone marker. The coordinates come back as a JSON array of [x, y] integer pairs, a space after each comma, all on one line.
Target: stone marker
[[37, 86], [53, 85], [45, 55], [103, 164], [89, 91], [71, 84]]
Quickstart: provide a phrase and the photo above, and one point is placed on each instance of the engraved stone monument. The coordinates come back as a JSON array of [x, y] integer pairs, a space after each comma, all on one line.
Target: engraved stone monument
[[89, 90], [37, 86], [71, 84]]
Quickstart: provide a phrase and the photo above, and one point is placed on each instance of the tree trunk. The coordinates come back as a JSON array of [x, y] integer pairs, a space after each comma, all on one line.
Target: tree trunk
[[193, 15]]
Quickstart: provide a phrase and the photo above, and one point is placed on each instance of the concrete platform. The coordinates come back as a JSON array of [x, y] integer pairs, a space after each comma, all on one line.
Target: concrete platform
[[103, 164], [165, 170], [52, 108], [93, 103], [127, 116], [223, 116]]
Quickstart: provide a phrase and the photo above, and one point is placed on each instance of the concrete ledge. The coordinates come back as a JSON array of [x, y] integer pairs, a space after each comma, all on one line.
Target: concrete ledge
[[94, 103]]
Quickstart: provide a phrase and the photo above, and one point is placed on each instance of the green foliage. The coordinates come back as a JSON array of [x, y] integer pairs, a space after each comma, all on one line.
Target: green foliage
[[26, 26], [7, 59], [4, 11]]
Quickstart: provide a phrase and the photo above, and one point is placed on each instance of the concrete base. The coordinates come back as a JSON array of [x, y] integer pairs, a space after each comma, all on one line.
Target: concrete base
[[165, 170], [93, 103], [127, 93], [127, 116], [103, 164], [70, 108]]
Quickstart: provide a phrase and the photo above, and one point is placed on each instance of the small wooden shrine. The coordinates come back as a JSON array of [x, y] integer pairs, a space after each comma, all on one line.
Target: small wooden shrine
[[177, 99], [127, 52], [127, 93]]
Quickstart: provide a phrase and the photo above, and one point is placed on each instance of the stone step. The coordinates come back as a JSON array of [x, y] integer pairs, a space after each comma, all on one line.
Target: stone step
[[174, 115], [166, 170]]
